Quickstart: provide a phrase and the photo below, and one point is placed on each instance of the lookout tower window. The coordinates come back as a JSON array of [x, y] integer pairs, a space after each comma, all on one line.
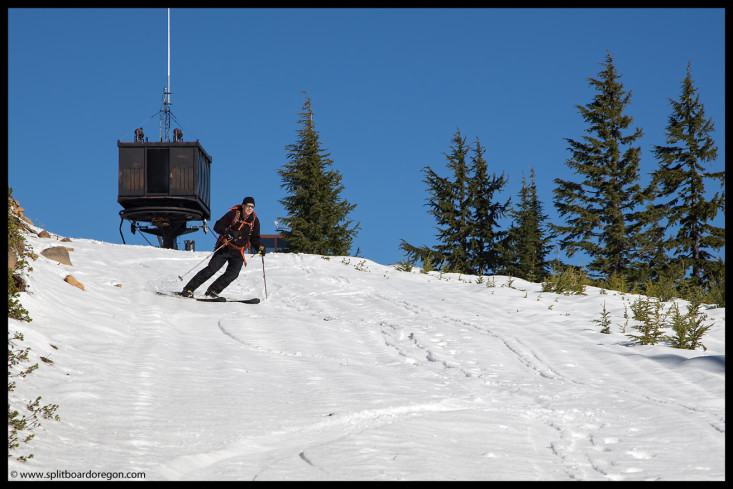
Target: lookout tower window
[[158, 171]]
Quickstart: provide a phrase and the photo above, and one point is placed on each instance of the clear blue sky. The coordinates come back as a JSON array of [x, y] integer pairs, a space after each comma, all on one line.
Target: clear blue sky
[[389, 88]]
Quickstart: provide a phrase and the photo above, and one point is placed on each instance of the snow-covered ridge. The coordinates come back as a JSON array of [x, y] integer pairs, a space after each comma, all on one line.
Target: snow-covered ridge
[[352, 370]]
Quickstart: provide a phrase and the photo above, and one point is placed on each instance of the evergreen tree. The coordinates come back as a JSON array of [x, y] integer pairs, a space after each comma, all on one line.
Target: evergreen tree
[[317, 215], [600, 209], [527, 244], [449, 205], [485, 252], [680, 182], [652, 262], [464, 213]]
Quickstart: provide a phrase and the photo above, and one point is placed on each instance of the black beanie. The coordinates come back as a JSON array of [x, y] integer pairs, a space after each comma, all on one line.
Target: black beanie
[[248, 200]]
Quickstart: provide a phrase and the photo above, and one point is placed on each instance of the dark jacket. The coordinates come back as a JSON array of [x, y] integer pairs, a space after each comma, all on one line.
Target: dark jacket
[[250, 230]]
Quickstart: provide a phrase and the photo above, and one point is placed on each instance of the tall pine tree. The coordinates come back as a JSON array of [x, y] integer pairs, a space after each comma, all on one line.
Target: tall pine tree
[[528, 242], [464, 212], [680, 180], [317, 215], [600, 207], [449, 205], [485, 254], [455, 212]]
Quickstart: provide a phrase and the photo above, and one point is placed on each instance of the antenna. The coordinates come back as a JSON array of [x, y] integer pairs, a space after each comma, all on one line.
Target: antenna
[[165, 111], [169, 53]]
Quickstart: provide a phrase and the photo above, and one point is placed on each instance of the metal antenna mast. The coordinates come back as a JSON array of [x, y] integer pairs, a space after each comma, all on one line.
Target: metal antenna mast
[[165, 111]]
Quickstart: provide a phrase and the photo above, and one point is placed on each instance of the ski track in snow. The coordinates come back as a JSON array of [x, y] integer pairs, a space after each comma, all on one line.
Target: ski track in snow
[[574, 449], [347, 360]]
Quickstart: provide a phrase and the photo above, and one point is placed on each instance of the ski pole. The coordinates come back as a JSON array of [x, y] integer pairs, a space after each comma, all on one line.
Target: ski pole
[[263, 273], [180, 277]]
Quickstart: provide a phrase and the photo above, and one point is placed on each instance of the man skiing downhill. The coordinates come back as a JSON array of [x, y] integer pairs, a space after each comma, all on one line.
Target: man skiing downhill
[[238, 228]]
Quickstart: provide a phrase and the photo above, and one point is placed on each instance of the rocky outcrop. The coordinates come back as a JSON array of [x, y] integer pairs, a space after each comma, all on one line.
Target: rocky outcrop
[[17, 210], [57, 253], [72, 281]]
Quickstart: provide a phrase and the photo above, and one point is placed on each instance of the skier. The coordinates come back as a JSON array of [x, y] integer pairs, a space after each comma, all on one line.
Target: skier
[[238, 229]]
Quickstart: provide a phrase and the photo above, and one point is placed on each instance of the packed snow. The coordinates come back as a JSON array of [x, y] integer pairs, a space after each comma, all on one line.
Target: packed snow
[[352, 370]]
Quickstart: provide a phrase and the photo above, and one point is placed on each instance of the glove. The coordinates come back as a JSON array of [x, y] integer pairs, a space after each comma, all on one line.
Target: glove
[[232, 234], [262, 250]]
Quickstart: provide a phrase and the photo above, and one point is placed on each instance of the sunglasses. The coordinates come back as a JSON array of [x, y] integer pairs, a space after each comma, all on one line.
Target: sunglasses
[[250, 206]]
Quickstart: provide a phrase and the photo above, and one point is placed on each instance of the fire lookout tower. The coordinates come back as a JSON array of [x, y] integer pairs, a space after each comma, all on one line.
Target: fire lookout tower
[[164, 183]]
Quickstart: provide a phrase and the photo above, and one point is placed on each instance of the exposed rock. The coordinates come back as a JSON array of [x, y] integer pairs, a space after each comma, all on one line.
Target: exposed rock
[[66, 240], [12, 260], [18, 211], [72, 281], [57, 253], [44, 234]]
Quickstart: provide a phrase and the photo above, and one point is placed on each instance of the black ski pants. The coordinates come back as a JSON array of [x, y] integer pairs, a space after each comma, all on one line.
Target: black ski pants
[[229, 255]]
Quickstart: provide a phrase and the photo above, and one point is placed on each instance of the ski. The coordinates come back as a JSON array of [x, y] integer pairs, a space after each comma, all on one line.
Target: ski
[[254, 300]]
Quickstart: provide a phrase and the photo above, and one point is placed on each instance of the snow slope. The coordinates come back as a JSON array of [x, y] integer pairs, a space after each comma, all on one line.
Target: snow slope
[[351, 370]]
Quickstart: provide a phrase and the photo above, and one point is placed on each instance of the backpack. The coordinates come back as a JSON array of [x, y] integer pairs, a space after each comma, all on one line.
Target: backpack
[[251, 225]]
